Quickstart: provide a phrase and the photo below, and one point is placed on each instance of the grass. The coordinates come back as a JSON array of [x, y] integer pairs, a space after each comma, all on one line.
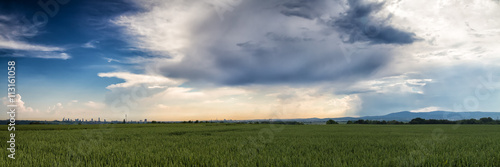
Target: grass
[[253, 145]]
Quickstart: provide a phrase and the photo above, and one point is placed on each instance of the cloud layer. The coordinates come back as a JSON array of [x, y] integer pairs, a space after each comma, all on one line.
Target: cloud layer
[[14, 40], [187, 59], [295, 42], [382, 52]]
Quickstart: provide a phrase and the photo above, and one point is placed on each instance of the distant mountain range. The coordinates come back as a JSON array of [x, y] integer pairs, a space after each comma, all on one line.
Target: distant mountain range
[[407, 116]]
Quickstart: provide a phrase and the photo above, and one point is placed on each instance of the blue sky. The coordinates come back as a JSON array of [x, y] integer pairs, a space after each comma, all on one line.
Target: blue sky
[[235, 59]]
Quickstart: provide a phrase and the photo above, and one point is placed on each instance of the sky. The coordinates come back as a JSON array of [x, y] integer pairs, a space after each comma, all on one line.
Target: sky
[[173, 60]]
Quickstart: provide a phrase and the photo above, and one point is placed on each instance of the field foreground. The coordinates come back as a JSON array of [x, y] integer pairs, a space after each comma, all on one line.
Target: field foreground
[[253, 145]]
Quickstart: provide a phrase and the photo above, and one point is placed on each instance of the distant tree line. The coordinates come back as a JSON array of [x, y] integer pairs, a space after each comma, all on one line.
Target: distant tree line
[[374, 122], [278, 122], [485, 120], [249, 122], [195, 121]]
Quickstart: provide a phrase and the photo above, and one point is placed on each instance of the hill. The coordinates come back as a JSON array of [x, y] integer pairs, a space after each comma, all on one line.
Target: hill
[[407, 116]]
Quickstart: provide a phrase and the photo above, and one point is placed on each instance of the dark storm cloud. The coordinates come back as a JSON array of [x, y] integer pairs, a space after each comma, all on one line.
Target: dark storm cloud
[[296, 63], [308, 9], [279, 37], [285, 42], [358, 25]]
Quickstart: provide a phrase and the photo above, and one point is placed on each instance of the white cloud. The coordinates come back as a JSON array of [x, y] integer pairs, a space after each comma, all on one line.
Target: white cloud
[[14, 37], [453, 33], [178, 103], [63, 56], [90, 44], [95, 105], [429, 109], [137, 79], [43, 55], [167, 25], [21, 106], [191, 31], [55, 108], [72, 103], [19, 45], [392, 84], [109, 60]]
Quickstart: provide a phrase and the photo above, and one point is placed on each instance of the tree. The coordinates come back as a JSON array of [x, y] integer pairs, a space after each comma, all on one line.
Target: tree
[[124, 121], [331, 122], [360, 122], [486, 120], [196, 121], [349, 122], [394, 122], [417, 121]]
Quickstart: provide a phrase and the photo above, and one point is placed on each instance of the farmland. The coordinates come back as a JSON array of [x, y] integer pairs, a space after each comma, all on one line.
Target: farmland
[[253, 145]]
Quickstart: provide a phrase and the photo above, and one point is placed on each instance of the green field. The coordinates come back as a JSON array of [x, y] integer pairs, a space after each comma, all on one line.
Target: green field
[[253, 145]]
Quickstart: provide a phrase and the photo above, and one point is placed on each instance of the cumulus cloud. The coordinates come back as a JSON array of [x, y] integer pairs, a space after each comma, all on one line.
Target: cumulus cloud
[[288, 47], [381, 56], [458, 47], [166, 25], [123, 97], [55, 108], [21, 107]]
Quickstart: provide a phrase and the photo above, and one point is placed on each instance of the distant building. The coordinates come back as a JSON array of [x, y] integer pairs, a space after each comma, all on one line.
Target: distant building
[[145, 120]]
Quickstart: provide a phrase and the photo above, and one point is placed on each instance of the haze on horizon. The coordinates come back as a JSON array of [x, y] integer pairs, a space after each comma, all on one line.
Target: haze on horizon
[[250, 59]]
